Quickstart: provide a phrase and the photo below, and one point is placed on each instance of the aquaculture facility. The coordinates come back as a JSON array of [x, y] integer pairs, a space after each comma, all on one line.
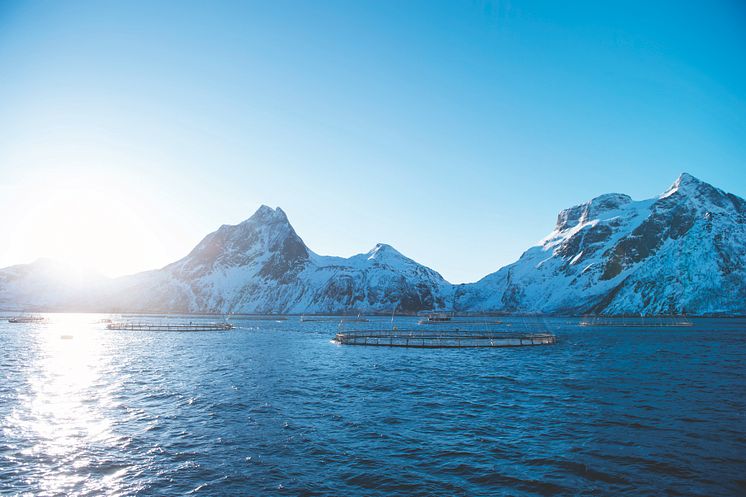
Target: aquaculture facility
[[637, 321], [442, 339], [27, 319], [130, 326]]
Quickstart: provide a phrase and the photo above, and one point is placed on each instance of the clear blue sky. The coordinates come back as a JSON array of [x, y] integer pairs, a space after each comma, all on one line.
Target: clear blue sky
[[454, 131]]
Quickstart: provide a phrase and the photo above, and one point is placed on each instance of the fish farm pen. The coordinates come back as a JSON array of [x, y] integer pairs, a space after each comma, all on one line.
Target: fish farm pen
[[444, 339], [638, 322], [459, 322], [304, 319], [169, 326], [28, 319], [265, 317]]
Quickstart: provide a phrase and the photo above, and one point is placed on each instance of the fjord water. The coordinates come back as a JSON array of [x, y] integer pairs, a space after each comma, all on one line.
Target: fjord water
[[274, 408]]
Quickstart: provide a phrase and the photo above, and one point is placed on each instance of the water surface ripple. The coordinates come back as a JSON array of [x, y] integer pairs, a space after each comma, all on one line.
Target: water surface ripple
[[274, 408]]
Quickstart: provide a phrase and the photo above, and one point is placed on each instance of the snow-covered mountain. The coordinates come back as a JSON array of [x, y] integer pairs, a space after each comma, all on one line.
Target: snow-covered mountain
[[48, 285], [262, 265], [684, 251]]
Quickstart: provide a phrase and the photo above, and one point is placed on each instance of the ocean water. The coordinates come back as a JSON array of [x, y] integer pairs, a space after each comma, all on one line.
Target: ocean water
[[274, 408]]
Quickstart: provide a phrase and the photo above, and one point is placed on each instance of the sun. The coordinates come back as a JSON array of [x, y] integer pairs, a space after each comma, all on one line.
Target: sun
[[87, 223]]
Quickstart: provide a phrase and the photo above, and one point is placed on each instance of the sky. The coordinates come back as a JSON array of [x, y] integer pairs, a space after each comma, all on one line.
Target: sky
[[454, 131]]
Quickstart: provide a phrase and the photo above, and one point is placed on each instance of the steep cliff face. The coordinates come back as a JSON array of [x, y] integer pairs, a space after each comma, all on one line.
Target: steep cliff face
[[683, 251]]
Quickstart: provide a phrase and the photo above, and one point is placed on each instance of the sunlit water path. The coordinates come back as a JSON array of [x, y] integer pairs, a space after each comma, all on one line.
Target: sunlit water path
[[274, 408]]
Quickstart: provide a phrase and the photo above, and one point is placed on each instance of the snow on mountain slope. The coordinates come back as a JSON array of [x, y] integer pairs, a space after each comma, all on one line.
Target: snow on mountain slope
[[381, 279], [262, 265], [684, 251], [47, 285]]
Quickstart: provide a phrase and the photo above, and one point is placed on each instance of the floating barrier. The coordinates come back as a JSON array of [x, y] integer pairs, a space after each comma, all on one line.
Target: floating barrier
[[444, 339], [28, 319], [637, 322], [326, 319], [457, 321], [260, 318], [169, 326]]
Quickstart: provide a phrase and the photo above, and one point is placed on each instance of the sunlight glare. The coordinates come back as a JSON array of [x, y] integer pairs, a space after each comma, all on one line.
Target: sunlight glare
[[89, 224], [64, 408]]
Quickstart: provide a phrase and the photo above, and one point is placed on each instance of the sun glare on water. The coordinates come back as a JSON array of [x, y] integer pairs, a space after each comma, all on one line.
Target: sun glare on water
[[63, 411]]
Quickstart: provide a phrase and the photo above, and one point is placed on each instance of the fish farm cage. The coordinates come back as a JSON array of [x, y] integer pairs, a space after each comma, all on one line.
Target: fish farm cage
[[184, 327], [637, 321], [444, 339], [333, 319], [461, 321], [258, 317], [28, 319]]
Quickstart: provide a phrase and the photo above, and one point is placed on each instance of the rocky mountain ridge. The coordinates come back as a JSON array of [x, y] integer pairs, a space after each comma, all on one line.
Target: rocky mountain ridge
[[681, 252]]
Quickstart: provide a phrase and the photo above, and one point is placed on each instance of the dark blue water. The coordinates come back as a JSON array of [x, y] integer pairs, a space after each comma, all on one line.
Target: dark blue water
[[276, 409]]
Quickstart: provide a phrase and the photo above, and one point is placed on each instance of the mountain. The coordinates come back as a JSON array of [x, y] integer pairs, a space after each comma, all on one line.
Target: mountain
[[262, 266], [47, 285], [682, 252]]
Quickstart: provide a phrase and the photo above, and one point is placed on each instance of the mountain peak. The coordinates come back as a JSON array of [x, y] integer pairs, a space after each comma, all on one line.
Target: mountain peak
[[265, 214], [266, 234], [383, 250], [685, 183], [687, 178]]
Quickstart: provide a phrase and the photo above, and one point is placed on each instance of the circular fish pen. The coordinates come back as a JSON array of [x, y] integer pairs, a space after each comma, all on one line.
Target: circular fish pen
[[28, 319], [445, 339], [183, 327], [637, 322]]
